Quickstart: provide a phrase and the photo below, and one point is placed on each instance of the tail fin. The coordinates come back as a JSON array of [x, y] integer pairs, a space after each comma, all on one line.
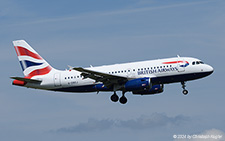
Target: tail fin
[[31, 62]]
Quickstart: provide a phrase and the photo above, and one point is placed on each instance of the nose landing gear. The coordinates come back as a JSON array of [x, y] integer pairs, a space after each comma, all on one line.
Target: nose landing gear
[[185, 92]]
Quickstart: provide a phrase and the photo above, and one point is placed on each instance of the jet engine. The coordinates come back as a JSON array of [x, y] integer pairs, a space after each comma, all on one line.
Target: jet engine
[[138, 84], [155, 89], [143, 86]]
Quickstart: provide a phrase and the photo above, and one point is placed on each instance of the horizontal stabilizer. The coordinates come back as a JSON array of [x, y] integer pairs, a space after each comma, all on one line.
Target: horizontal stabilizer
[[26, 79]]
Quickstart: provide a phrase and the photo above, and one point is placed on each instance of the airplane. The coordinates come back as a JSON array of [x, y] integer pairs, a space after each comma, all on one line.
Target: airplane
[[140, 78]]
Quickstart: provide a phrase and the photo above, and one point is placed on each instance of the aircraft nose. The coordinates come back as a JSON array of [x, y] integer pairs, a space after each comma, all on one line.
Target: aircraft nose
[[209, 69]]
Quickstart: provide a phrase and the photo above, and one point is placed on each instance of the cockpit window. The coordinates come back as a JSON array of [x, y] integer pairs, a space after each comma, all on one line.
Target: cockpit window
[[197, 62]]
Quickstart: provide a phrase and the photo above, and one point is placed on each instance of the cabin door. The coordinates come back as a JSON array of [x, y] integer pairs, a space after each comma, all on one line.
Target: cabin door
[[180, 65], [57, 80]]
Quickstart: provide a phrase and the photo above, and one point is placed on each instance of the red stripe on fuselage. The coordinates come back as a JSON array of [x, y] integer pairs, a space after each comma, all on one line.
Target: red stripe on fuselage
[[174, 62], [25, 52], [43, 71]]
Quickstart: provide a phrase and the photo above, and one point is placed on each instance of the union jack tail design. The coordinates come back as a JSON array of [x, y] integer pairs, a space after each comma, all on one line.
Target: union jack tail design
[[31, 62]]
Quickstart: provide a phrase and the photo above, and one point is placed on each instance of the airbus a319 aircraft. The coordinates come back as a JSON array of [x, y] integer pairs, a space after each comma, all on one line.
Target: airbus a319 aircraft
[[141, 78]]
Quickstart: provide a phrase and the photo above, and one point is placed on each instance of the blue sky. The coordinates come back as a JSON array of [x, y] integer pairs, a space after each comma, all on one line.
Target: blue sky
[[83, 33]]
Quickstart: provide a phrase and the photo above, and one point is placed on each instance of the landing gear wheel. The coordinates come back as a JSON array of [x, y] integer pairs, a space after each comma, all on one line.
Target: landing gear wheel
[[123, 100], [185, 92], [114, 97]]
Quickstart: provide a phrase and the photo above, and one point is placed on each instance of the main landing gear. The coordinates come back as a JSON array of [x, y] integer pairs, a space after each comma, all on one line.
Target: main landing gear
[[115, 98], [185, 92]]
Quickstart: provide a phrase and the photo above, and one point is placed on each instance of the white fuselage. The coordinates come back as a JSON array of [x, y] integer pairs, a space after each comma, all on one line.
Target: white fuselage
[[161, 71]]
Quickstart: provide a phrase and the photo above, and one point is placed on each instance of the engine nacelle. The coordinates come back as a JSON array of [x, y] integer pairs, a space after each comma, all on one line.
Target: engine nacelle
[[155, 89], [138, 84]]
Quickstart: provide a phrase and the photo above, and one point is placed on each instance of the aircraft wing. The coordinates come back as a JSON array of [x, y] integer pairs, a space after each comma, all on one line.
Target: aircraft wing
[[107, 79]]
